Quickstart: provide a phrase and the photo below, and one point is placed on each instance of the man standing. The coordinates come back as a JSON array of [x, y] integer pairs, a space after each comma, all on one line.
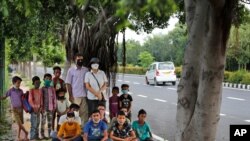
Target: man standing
[[76, 87]]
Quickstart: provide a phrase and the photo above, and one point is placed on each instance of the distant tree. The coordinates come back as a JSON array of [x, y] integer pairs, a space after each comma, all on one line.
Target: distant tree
[[145, 59]]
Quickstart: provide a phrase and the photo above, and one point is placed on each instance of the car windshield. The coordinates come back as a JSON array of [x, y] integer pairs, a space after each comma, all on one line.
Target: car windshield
[[166, 66]]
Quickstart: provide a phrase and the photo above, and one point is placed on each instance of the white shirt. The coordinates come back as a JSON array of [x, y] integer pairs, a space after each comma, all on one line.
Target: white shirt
[[63, 118], [62, 106], [89, 78]]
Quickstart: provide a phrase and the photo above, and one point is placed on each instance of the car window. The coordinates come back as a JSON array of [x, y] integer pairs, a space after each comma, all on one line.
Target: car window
[[154, 66], [151, 67], [165, 66]]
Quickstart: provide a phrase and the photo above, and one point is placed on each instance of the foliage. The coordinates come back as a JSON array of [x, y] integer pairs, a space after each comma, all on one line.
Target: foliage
[[246, 79], [178, 71], [227, 75], [237, 76], [132, 70], [145, 59]]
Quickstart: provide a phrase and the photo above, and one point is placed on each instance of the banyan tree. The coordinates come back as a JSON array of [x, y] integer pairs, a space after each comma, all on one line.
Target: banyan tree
[[93, 30]]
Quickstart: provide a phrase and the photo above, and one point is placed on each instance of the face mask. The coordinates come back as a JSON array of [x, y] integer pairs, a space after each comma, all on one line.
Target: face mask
[[79, 63], [96, 121], [61, 97], [47, 83], [95, 66], [15, 87], [76, 113], [70, 119], [125, 91]]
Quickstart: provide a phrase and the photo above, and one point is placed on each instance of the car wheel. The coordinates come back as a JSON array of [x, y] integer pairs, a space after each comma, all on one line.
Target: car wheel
[[147, 81], [173, 83], [155, 82]]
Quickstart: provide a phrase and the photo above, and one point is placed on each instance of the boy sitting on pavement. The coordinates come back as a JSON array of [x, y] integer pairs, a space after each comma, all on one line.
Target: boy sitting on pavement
[[95, 129], [121, 130], [142, 128], [70, 130]]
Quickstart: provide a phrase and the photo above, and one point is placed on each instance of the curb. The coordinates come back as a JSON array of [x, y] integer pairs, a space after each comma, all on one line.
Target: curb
[[238, 86]]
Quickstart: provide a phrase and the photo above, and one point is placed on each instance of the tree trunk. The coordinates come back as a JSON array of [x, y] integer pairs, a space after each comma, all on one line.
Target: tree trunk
[[30, 70], [65, 70], [199, 90], [34, 64], [45, 69]]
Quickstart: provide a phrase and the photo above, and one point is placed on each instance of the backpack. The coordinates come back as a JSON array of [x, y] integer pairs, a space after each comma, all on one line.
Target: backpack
[[25, 103]]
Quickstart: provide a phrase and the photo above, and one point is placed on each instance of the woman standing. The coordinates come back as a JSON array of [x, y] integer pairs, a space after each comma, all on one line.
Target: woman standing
[[96, 83]]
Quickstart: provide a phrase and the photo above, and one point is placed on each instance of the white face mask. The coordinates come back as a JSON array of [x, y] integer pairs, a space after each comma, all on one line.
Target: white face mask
[[96, 121], [76, 113], [71, 119], [95, 66]]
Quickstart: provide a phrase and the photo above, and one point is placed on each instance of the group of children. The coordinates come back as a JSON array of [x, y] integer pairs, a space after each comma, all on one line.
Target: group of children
[[50, 102]]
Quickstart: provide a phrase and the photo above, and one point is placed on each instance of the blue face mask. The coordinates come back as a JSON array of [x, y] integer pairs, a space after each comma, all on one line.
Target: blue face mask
[[125, 91], [47, 83]]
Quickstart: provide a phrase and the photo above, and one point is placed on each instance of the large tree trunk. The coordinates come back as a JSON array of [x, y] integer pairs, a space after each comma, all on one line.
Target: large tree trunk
[[199, 90]]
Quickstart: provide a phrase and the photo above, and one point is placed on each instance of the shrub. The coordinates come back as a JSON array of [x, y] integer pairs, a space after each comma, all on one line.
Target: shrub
[[237, 76], [132, 70], [178, 71], [227, 75], [246, 79]]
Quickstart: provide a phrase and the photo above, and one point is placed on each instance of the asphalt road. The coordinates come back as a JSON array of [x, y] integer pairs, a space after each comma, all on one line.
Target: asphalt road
[[160, 104]]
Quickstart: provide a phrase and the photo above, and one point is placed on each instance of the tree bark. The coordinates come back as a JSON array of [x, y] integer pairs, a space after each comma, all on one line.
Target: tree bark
[[199, 90]]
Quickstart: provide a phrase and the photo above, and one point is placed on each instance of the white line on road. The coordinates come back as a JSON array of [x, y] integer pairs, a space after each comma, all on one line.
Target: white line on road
[[119, 80], [172, 89], [236, 89], [142, 96], [247, 120], [235, 98], [136, 83], [160, 100], [158, 138], [222, 114], [127, 81], [174, 104], [145, 84], [158, 86]]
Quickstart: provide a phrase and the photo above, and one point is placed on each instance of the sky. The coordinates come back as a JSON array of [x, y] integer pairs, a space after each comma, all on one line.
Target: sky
[[141, 37]]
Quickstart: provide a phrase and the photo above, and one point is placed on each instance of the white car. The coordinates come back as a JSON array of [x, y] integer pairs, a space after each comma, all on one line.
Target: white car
[[161, 72]]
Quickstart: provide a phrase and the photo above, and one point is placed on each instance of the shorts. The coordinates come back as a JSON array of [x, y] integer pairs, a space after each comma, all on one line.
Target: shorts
[[18, 115]]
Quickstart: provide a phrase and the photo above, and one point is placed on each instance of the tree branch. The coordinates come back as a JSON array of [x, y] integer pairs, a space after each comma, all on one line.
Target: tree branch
[[245, 1]]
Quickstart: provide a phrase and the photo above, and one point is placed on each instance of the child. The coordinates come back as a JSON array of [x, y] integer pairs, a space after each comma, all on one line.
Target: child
[[141, 127], [62, 105], [70, 130], [15, 94], [114, 103], [95, 129], [36, 102], [125, 100], [122, 130], [49, 104], [58, 83], [101, 107]]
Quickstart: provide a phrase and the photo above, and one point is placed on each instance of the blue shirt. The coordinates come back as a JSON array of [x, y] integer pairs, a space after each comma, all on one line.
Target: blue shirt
[[95, 132], [142, 131]]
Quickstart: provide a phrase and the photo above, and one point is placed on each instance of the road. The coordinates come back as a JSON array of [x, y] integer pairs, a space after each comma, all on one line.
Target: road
[[160, 104]]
